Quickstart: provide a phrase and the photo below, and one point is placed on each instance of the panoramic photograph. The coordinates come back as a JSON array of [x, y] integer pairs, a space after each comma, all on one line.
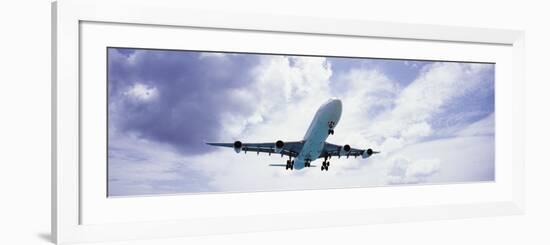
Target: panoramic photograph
[[200, 122]]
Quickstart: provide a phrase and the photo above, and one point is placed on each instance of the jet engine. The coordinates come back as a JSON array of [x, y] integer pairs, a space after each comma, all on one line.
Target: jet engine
[[279, 146], [237, 146], [345, 150], [367, 153]]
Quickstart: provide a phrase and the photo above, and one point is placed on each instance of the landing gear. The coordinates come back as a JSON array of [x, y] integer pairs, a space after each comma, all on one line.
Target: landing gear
[[307, 163], [325, 164], [289, 164], [331, 125]]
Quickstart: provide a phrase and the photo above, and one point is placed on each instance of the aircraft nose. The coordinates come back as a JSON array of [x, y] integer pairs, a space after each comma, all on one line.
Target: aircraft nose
[[336, 102]]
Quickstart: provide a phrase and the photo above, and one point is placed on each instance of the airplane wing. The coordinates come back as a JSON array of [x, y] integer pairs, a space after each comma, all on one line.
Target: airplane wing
[[291, 148], [331, 150]]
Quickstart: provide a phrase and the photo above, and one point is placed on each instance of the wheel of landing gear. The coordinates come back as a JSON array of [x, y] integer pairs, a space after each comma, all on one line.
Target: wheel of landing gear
[[328, 164]]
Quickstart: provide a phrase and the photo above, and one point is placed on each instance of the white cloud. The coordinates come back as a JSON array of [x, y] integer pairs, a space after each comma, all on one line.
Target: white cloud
[[405, 171], [461, 159], [215, 55], [368, 93], [135, 165], [287, 92], [141, 92], [416, 131], [485, 126], [416, 104]]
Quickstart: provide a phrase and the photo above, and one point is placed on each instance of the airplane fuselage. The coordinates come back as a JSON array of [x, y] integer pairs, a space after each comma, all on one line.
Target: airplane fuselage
[[326, 118]]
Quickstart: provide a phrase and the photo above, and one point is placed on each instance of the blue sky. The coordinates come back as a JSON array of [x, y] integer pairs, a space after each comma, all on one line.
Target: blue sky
[[433, 121]]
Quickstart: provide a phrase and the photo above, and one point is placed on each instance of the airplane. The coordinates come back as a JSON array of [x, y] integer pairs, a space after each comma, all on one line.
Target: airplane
[[313, 146]]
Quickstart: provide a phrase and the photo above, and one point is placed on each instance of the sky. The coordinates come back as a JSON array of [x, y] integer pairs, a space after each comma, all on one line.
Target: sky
[[432, 121]]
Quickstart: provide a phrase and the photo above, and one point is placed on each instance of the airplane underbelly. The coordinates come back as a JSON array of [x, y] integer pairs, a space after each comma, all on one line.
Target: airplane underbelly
[[313, 147], [311, 152]]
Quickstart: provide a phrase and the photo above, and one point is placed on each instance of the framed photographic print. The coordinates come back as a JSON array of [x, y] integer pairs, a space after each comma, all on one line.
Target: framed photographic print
[[195, 122]]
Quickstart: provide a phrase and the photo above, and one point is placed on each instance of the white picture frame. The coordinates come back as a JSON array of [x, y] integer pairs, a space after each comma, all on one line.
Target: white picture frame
[[69, 198]]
